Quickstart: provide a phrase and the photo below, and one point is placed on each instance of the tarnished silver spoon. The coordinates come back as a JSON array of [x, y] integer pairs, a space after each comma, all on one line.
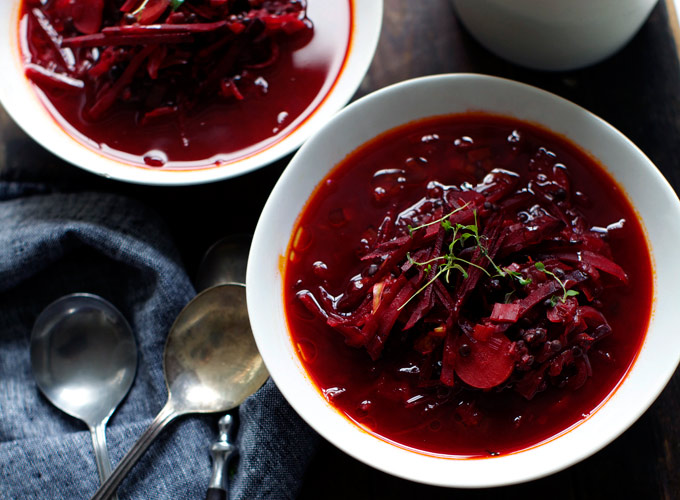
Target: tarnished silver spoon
[[211, 364], [224, 262], [84, 359], [221, 451]]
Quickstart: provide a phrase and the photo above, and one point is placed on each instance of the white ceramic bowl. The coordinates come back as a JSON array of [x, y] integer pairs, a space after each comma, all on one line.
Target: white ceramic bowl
[[654, 199], [21, 102]]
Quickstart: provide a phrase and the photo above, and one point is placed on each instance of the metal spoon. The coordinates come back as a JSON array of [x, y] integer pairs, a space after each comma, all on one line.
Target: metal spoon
[[224, 262], [221, 451], [211, 364], [84, 359]]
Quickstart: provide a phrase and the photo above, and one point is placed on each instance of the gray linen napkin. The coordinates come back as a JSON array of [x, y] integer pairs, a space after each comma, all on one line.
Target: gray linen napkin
[[54, 243]]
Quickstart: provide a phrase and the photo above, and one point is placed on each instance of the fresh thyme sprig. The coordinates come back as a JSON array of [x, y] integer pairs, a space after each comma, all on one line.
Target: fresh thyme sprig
[[450, 261], [518, 276], [443, 219], [138, 11], [565, 293], [174, 4]]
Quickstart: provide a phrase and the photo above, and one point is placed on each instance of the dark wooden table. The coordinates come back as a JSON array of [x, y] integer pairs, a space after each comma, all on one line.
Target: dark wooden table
[[637, 91]]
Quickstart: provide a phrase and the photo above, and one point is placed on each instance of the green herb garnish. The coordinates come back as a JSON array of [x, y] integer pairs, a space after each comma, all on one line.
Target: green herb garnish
[[451, 261], [443, 220], [565, 293], [174, 4], [138, 11]]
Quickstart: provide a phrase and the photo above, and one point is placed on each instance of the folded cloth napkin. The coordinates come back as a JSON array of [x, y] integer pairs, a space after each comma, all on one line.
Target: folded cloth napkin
[[55, 243]]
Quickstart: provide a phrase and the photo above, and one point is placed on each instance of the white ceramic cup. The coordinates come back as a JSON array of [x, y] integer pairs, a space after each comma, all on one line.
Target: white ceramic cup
[[553, 34]]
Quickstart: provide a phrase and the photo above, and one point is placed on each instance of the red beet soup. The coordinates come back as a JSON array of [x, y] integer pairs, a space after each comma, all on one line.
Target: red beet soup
[[183, 83], [468, 285]]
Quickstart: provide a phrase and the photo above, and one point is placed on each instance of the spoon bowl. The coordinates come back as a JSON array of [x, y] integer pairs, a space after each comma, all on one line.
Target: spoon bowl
[[211, 364], [224, 262], [84, 359]]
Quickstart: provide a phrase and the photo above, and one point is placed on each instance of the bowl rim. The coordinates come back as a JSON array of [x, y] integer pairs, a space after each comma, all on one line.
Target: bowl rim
[[265, 287], [20, 100]]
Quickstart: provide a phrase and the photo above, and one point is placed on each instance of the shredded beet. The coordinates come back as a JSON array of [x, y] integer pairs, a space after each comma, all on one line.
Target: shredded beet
[[467, 285], [162, 55], [493, 286]]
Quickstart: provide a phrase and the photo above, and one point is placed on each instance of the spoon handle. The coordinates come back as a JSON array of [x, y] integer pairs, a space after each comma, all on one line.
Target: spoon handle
[[108, 488], [221, 450], [101, 453]]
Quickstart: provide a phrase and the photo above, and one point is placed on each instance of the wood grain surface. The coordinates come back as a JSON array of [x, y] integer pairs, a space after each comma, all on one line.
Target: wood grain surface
[[637, 91]]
